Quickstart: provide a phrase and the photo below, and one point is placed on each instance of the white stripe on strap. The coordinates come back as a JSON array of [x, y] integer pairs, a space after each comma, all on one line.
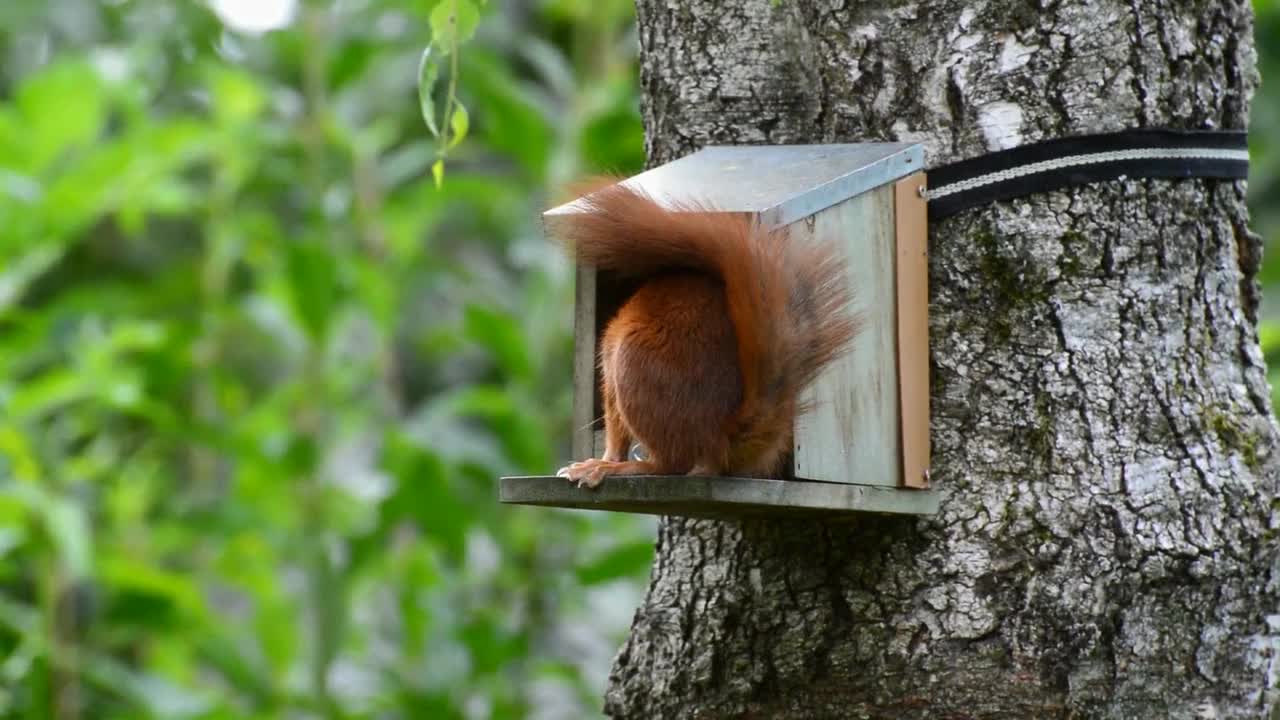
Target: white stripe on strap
[[1089, 159]]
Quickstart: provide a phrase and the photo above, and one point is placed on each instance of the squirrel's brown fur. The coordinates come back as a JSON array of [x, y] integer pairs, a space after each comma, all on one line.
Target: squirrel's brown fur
[[705, 363]]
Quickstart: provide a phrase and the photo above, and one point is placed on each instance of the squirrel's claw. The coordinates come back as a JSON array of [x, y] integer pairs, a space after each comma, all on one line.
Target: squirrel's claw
[[586, 474]]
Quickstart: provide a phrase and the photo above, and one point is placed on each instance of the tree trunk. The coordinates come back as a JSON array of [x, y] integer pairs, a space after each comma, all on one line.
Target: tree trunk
[[1102, 430]]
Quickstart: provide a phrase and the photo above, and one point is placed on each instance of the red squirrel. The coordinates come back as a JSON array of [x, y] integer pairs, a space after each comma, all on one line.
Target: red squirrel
[[704, 364]]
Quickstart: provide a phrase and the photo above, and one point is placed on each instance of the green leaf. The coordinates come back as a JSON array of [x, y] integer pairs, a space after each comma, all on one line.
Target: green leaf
[[155, 695], [124, 573], [514, 123], [301, 455], [437, 172], [247, 672], [501, 336], [485, 401], [622, 561], [428, 74], [20, 273], [459, 122], [1269, 336], [47, 393], [351, 60], [492, 645], [236, 96], [69, 530], [313, 286], [614, 141], [18, 454], [65, 106], [423, 494], [453, 22], [521, 431], [11, 538]]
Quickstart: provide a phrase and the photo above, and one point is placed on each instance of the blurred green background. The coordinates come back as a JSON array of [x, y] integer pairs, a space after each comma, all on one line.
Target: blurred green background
[[258, 374]]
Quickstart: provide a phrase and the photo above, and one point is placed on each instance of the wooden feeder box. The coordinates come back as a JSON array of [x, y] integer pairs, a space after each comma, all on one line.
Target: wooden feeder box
[[865, 445]]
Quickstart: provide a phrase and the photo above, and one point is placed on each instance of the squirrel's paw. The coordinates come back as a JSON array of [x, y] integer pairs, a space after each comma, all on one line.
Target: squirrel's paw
[[587, 473], [590, 473]]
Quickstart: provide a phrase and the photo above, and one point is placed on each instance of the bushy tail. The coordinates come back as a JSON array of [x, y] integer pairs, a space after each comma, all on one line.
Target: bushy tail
[[788, 301]]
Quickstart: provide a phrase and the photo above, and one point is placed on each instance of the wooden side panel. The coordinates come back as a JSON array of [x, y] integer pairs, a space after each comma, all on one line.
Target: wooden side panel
[[852, 434], [913, 329], [584, 363]]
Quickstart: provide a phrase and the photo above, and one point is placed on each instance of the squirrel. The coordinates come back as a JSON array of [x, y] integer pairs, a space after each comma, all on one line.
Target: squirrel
[[705, 363]]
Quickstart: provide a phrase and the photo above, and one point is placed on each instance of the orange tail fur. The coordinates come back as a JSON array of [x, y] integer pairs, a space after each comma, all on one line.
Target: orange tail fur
[[788, 301]]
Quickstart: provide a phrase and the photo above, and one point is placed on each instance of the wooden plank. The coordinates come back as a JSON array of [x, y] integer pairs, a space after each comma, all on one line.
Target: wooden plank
[[913, 328], [584, 364], [852, 433], [718, 497]]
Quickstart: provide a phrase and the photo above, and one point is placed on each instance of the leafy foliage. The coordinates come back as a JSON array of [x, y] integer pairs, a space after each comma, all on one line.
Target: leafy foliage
[[453, 22], [1264, 179], [258, 372]]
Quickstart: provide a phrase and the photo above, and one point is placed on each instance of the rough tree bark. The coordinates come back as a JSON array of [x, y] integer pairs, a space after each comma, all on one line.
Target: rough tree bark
[[1102, 427]]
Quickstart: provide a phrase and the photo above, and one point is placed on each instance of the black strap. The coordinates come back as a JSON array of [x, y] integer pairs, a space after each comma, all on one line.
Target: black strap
[[1055, 164]]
